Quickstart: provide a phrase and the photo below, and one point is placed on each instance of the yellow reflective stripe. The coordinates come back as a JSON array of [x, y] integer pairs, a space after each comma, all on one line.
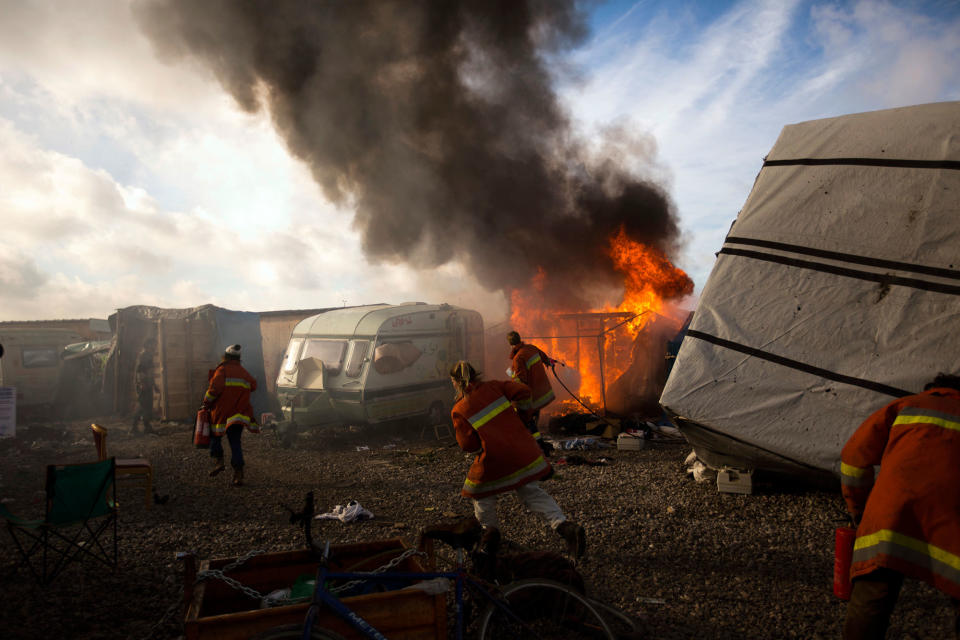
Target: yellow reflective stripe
[[490, 412], [237, 382], [532, 361], [506, 480], [852, 471], [543, 400], [908, 542], [928, 419], [209, 396]]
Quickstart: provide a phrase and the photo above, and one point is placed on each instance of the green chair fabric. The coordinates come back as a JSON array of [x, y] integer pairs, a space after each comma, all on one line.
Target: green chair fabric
[[80, 520]]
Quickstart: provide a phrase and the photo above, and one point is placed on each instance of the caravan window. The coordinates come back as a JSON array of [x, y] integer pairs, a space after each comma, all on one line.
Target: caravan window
[[393, 357], [39, 357], [329, 351], [355, 364], [290, 357]]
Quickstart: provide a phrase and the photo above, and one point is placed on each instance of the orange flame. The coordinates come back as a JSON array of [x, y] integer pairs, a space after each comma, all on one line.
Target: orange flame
[[597, 343]]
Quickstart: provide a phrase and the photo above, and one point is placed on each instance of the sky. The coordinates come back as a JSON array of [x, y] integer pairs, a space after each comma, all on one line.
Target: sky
[[128, 179]]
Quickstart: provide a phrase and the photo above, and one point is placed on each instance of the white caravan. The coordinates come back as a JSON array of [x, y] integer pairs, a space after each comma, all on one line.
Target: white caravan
[[377, 363]]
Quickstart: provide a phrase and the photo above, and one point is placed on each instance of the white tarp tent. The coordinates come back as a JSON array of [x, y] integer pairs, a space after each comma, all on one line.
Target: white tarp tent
[[836, 290]]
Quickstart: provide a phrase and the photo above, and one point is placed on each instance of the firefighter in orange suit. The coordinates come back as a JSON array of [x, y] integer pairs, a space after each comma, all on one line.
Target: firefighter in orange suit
[[228, 399], [508, 459], [529, 366], [909, 517]]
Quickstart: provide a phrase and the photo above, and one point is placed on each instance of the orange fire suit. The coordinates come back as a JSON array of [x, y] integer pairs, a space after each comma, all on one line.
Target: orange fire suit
[[911, 513], [486, 421], [530, 368], [228, 397]]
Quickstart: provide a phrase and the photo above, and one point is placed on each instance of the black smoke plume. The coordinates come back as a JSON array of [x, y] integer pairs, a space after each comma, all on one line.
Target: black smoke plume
[[437, 121]]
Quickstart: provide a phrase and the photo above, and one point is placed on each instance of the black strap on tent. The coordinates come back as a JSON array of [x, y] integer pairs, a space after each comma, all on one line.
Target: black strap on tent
[[881, 278], [799, 366], [847, 257], [867, 162]]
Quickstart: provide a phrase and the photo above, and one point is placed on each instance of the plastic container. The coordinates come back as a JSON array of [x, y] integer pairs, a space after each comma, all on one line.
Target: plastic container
[[630, 442]]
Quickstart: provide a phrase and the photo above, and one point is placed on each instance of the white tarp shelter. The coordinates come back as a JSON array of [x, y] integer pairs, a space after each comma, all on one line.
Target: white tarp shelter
[[836, 291]]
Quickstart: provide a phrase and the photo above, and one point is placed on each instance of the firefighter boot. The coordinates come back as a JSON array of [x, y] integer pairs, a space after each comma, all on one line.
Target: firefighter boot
[[217, 467], [237, 476], [575, 537]]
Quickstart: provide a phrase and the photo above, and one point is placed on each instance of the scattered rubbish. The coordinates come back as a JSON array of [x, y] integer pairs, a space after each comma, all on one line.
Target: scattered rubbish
[[433, 587], [429, 508], [585, 443], [671, 510], [698, 470], [389, 446], [352, 511], [363, 447], [651, 600], [580, 460], [734, 480], [274, 597], [669, 432], [630, 441]]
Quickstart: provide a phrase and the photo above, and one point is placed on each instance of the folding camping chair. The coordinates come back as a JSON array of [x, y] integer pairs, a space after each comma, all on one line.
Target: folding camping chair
[[137, 471], [81, 509]]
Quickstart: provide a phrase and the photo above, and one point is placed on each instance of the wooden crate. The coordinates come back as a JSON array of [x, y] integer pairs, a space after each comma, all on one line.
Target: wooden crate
[[216, 611]]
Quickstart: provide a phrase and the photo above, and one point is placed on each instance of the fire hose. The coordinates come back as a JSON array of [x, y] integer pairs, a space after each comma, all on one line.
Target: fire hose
[[591, 411], [574, 396]]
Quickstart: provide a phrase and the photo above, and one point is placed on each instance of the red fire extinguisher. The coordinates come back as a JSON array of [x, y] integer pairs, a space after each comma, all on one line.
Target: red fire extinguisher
[[842, 557]]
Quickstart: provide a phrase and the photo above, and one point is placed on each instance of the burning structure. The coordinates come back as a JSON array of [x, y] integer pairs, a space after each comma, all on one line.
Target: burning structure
[[438, 123], [616, 352]]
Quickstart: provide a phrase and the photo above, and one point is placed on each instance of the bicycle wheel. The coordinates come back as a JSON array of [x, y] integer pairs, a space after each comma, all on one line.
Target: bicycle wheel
[[546, 609], [295, 632], [621, 624]]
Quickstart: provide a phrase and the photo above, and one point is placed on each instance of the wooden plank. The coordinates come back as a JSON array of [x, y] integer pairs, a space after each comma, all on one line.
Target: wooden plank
[[162, 347], [188, 352]]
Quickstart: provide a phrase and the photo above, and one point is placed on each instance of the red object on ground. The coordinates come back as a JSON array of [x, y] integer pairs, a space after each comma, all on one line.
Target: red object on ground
[[842, 556]]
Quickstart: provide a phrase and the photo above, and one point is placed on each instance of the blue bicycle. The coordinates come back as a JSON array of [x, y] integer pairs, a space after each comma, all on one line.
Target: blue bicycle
[[530, 608]]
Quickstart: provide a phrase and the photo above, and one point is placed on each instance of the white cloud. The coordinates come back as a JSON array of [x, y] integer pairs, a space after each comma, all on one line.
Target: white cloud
[[124, 180], [127, 181], [716, 98]]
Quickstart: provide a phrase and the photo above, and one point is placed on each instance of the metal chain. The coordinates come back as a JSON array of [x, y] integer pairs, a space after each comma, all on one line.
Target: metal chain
[[201, 576], [390, 565], [220, 574], [271, 601]]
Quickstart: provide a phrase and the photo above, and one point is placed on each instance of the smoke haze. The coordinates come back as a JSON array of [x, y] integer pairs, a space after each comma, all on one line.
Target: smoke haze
[[437, 122]]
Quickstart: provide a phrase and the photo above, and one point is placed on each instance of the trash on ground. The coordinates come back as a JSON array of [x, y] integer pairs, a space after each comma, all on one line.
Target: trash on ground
[[353, 510], [576, 460], [432, 587]]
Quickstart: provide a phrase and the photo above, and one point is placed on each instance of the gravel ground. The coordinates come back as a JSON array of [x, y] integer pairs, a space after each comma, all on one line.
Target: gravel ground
[[688, 561]]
